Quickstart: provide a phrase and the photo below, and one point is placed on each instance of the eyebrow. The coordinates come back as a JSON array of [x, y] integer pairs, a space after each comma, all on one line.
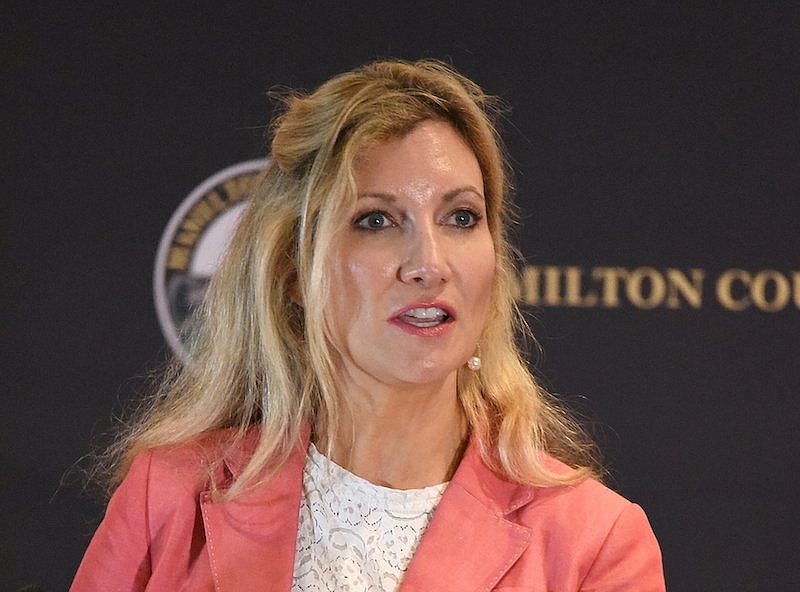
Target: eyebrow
[[449, 196]]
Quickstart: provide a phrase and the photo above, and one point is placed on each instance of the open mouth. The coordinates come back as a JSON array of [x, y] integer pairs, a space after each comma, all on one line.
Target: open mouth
[[424, 317]]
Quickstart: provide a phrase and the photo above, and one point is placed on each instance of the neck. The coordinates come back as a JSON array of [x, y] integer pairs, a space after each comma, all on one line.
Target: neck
[[403, 438]]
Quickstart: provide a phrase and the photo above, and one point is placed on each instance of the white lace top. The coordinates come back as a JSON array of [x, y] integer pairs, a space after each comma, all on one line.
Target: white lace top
[[354, 535]]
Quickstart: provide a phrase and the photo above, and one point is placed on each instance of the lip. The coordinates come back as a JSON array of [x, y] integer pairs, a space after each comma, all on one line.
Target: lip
[[397, 320]]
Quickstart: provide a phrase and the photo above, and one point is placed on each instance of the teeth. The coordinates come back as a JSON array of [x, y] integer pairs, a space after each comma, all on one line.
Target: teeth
[[426, 313], [425, 317]]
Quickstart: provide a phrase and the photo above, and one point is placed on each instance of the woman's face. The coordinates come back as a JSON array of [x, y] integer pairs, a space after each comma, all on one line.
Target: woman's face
[[412, 274]]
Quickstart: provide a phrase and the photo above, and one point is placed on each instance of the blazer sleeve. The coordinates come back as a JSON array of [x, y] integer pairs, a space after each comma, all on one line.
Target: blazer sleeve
[[118, 558], [629, 559]]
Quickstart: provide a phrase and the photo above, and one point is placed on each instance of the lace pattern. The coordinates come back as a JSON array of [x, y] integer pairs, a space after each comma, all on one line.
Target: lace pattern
[[354, 535]]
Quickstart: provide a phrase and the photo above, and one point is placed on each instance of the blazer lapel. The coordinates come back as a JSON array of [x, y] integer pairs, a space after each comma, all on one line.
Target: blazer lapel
[[252, 539], [470, 544]]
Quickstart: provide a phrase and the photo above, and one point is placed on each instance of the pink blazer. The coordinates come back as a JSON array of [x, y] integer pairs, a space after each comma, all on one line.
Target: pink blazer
[[163, 532]]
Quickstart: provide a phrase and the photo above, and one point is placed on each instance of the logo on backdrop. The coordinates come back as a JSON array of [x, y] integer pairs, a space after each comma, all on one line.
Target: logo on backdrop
[[193, 242]]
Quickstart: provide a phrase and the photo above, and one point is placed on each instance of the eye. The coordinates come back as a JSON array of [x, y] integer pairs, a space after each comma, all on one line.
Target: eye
[[463, 218], [376, 220]]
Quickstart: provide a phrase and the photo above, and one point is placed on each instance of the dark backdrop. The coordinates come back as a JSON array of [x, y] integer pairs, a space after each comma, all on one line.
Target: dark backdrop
[[642, 136]]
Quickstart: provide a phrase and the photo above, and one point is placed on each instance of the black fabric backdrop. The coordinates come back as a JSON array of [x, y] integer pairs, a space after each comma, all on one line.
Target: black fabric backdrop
[[642, 136]]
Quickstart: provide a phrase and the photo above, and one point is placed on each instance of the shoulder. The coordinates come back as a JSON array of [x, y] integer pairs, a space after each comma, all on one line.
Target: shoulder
[[579, 501], [607, 538], [151, 515], [166, 480], [581, 536], [173, 472], [588, 510]]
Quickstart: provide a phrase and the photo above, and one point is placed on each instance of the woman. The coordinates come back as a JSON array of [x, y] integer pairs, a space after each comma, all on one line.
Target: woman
[[358, 416]]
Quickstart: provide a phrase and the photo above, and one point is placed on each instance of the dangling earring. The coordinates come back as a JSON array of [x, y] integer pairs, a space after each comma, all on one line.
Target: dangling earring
[[474, 363]]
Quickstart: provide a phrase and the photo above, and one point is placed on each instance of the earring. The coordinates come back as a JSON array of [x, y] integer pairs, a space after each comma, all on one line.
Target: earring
[[474, 363]]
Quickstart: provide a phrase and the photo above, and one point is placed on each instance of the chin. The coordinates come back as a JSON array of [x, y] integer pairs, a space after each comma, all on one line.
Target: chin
[[428, 372]]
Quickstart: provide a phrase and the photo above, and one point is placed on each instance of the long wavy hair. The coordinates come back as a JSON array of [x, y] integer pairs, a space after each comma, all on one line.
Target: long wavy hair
[[261, 360]]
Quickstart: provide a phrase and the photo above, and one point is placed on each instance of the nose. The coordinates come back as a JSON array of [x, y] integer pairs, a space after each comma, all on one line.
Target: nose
[[426, 262]]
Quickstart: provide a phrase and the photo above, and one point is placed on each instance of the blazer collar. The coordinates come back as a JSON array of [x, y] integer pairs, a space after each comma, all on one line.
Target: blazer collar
[[252, 539], [470, 544], [471, 541]]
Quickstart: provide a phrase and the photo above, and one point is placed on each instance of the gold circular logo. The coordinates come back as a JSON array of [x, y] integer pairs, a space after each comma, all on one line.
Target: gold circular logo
[[192, 245]]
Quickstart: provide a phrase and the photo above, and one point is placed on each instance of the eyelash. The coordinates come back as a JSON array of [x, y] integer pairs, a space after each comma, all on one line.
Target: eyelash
[[361, 220], [475, 217]]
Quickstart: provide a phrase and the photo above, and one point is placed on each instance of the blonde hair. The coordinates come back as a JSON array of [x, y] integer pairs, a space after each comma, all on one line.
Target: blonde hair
[[263, 360]]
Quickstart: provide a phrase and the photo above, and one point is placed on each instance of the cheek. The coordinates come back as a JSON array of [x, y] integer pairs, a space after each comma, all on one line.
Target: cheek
[[484, 263], [364, 276], [483, 280], [358, 279], [366, 271]]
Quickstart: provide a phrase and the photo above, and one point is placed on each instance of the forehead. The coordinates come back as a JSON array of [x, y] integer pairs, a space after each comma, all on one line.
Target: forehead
[[433, 154]]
